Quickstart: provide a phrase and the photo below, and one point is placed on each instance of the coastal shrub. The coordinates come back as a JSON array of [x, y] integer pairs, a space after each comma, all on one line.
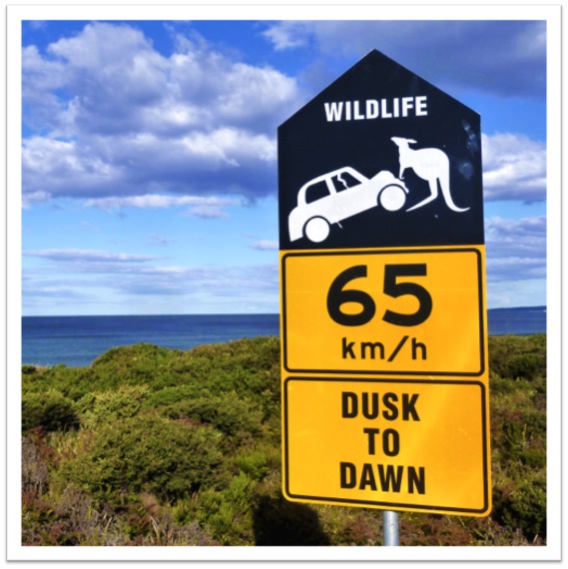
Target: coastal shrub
[[518, 422], [169, 459], [227, 512], [521, 504], [70, 520], [124, 403], [133, 356], [139, 364], [250, 366], [527, 366], [243, 366], [73, 383], [172, 447], [502, 388], [258, 461], [225, 412], [36, 460], [74, 520], [51, 411], [518, 435], [518, 356], [517, 430], [169, 396]]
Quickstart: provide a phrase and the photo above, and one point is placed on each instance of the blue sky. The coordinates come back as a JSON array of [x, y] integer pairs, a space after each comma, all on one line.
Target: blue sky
[[149, 168]]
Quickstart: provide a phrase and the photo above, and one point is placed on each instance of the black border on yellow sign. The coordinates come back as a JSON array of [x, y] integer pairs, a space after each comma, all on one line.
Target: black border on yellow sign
[[386, 504], [482, 328]]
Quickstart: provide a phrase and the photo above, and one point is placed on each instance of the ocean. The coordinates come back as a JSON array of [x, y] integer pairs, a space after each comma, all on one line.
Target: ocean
[[77, 341]]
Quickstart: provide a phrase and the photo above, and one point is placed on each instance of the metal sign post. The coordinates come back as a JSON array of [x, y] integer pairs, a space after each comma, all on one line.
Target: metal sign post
[[390, 528]]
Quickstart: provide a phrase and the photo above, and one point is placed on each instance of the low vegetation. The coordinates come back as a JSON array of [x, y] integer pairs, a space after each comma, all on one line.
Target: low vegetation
[[150, 446]]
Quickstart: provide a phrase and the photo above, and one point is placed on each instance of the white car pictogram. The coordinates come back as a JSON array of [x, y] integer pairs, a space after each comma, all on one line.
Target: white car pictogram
[[340, 194]]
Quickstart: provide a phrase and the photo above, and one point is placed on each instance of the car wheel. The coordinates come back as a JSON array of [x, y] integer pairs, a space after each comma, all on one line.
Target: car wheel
[[317, 229], [392, 198]]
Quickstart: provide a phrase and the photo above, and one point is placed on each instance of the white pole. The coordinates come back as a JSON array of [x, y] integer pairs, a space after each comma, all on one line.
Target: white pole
[[390, 528]]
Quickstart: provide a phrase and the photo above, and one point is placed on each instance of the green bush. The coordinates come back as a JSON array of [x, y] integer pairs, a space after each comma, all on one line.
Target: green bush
[[141, 355], [226, 412], [184, 448], [257, 462], [73, 383], [227, 513], [518, 356], [526, 365], [169, 459], [126, 402], [169, 396], [51, 411], [522, 505]]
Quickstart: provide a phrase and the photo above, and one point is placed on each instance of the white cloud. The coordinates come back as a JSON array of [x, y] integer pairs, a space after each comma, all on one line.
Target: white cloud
[[88, 255], [40, 79], [207, 211], [230, 147], [516, 261], [513, 293], [514, 167], [107, 48], [287, 35], [516, 250], [124, 120], [157, 201], [113, 117], [125, 275], [34, 197], [265, 245], [60, 167]]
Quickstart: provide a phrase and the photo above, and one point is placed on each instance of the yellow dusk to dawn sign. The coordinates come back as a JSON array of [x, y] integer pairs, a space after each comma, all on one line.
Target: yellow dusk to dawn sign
[[385, 399]]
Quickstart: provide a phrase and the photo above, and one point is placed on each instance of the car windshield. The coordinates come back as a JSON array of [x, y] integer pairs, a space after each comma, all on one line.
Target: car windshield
[[344, 181]]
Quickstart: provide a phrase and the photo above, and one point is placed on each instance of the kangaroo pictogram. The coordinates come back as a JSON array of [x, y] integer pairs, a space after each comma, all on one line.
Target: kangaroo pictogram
[[430, 164]]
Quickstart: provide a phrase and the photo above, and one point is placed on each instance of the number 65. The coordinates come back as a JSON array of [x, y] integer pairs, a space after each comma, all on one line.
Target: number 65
[[337, 296]]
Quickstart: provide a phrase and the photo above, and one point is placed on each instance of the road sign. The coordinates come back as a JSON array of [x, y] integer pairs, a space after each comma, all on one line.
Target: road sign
[[400, 445], [383, 312], [359, 162]]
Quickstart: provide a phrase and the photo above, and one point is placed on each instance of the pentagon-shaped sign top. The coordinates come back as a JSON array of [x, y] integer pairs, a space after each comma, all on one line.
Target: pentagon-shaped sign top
[[380, 158]]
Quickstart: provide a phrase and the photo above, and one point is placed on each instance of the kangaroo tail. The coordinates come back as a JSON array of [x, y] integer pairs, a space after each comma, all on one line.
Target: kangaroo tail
[[445, 185]]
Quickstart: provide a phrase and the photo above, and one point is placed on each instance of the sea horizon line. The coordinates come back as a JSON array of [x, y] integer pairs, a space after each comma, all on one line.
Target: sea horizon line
[[535, 307]]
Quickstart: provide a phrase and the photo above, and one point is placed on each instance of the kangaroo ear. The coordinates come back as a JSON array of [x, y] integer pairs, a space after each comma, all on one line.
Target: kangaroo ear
[[411, 141]]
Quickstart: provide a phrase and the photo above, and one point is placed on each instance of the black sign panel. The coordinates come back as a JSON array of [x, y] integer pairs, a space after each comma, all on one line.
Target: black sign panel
[[380, 158]]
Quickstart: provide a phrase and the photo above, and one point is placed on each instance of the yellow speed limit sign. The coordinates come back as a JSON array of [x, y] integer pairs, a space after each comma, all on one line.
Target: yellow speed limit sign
[[394, 311], [385, 389]]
